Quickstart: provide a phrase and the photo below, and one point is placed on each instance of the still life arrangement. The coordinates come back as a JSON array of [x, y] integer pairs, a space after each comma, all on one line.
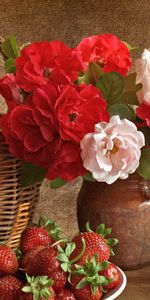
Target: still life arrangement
[[48, 267], [78, 112]]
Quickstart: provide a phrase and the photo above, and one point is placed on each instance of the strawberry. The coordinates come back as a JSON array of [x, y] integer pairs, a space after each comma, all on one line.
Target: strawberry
[[95, 244], [9, 287], [112, 273], [32, 237], [8, 261], [51, 227], [53, 230], [65, 294], [45, 262], [29, 255], [37, 288], [85, 281], [60, 279]]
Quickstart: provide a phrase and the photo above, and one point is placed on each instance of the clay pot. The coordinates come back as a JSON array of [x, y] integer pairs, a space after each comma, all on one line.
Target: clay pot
[[124, 206]]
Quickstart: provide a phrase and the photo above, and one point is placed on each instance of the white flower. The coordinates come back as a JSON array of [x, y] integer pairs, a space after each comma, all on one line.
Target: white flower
[[143, 76], [113, 150]]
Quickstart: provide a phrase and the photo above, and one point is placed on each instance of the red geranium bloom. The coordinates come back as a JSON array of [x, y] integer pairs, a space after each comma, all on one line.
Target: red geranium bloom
[[78, 110], [143, 112], [66, 162], [107, 50], [43, 62], [10, 91]]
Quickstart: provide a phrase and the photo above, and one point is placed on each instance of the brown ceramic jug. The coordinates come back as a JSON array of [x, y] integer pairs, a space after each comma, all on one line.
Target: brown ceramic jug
[[124, 206]]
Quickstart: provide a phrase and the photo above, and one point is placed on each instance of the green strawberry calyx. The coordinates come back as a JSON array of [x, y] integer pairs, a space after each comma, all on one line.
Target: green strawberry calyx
[[103, 232], [38, 286], [64, 255], [90, 274], [52, 228], [18, 254]]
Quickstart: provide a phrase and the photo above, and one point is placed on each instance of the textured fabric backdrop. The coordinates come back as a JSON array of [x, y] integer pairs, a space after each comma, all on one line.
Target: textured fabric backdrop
[[70, 21]]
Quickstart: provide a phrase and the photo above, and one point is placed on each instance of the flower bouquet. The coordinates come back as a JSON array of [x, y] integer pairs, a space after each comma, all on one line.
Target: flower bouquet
[[76, 111]]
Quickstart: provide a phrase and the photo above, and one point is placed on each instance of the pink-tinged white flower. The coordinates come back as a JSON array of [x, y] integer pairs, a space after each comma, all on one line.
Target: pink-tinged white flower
[[143, 76], [112, 151]]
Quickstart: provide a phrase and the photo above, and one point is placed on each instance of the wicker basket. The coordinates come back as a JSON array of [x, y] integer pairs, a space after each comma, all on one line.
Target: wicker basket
[[16, 203]]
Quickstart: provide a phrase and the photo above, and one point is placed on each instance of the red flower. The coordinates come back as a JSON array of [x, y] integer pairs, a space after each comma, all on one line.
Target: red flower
[[78, 110], [43, 62], [29, 129], [66, 162], [143, 112], [107, 50], [10, 91]]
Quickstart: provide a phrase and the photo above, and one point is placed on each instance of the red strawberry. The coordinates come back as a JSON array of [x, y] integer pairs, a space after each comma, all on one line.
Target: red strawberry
[[29, 255], [45, 263], [53, 230], [39, 288], [8, 261], [9, 287], [32, 237], [86, 283], [95, 244], [113, 274], [85, 293], [51, 227], [60, 279], [65, 294]]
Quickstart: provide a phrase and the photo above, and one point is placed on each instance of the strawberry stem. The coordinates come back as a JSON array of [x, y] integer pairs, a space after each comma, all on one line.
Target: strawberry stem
[[80, 254], [58, 242], [90, 274], [38, 286]]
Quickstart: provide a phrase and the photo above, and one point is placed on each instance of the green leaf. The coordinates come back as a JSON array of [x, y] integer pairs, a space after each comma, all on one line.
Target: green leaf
[[132, 111], [103, 266], [131, 48], [70, 248], [88, 176], [121, 110], [112, 242], [112, 86], [81, 78], [101, 229], [79, 272], [94, 289], [146, 132], [112, 252], [10, 66], [62, 257], [9, 47], [93, 73], [27, 289], [88, 228], [56, 183], [28, 278], [82, 284], [31, 174], [60, 249], [144, 167], [64, 266], [103, 280], [108, 231], [130, 90]]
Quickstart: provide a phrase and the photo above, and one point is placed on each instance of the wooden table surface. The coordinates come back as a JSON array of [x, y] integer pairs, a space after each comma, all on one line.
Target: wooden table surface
[[138, 285]]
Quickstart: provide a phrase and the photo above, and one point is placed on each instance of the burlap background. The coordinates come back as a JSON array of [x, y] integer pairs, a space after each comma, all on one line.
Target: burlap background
[[69, 21]]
